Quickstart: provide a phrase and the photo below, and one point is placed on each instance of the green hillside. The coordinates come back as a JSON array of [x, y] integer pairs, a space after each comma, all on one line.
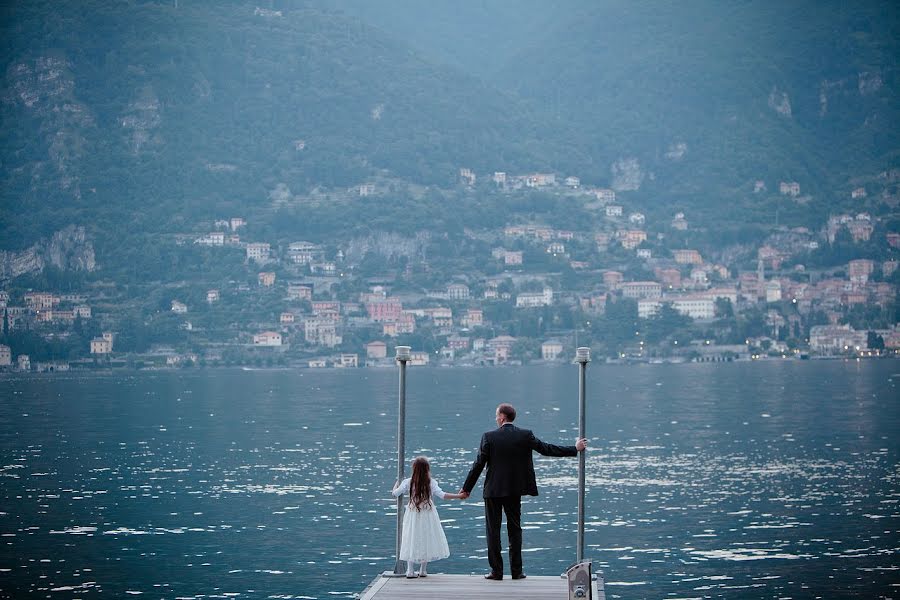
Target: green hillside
[[707, 96], [151, 116], [801, 91], [165, 112]]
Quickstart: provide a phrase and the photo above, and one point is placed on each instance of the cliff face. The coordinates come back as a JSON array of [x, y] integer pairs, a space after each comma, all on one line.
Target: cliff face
[[626, 174], [68, 249], [43, 89], [387, 246], [110, 103]]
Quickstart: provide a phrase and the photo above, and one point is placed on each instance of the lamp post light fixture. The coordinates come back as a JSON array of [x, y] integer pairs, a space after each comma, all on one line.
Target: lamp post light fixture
[[402, 358], [582, 357]]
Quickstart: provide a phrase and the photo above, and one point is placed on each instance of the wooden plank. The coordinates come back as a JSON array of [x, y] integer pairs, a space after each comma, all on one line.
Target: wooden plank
[[599, 590], [471, 587], [377, 583]]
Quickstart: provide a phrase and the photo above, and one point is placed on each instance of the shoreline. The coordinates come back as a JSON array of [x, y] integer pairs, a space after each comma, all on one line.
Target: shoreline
[[107, 370]]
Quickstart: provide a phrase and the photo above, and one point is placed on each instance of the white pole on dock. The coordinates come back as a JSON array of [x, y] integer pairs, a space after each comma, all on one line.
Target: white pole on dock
[[402, 359], [582, 357]]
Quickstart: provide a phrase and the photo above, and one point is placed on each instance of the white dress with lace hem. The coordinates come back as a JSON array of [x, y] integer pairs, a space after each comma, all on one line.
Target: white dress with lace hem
[[423, 538]]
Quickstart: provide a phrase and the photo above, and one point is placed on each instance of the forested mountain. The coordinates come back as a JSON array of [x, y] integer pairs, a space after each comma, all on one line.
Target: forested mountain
[[710, 95], [238, 161], [173, 110], [705, 96], [146, 115]]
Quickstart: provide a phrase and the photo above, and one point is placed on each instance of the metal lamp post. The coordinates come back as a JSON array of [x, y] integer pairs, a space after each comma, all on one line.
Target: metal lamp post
[[402, 358], [582, 357]]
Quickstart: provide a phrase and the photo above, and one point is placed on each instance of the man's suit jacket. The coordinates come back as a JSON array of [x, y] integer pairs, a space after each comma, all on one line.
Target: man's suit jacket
[[506, 451]]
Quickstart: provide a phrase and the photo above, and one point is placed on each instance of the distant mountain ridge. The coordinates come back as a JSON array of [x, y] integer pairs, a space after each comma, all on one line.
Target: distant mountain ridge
[[177, 109], [703, 96], [137, 117], [752, 88]]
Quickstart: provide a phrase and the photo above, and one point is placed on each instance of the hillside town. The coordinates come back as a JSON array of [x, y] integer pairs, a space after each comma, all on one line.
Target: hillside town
[[540, 292]]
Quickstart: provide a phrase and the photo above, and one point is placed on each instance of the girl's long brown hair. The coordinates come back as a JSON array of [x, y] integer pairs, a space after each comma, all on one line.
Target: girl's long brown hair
[[420, 484]]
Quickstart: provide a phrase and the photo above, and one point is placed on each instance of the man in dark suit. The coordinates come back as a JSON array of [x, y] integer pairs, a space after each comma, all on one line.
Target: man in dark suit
[[506, 451]]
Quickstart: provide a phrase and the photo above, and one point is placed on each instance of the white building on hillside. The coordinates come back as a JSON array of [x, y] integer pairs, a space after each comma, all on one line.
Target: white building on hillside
[[458, 291], [827, 339], [551, 349], [647, 307], [789, 188], [773, 291], [267, 338], [695, 307], [258, 251], [321, 332], [641, 289], [535, 299]]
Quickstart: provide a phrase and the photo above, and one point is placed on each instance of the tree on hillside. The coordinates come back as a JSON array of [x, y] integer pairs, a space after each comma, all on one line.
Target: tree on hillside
[[724, 309], [618, 326], [666, 322], [874, 341]]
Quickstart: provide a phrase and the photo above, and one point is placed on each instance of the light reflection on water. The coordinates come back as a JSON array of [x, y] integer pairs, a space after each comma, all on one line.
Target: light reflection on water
[[723, 481]]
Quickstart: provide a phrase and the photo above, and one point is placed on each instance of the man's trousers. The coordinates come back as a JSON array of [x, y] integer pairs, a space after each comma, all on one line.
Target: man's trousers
[[493, 515]]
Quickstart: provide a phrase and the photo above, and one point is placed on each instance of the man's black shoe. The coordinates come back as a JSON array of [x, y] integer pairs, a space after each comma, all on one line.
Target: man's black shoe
[[520, 576], [495, 576]]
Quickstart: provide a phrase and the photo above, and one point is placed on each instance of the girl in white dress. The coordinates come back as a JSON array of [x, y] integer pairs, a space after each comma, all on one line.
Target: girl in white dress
[[423, 538]]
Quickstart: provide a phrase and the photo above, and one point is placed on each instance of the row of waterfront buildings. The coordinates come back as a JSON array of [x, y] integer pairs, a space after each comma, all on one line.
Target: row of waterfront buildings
[[312, 316]]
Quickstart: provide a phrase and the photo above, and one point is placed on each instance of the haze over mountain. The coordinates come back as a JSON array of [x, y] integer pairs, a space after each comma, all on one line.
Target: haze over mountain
[[182, 107], [185, 110], [706, 96], [209, 176], [477, 37]]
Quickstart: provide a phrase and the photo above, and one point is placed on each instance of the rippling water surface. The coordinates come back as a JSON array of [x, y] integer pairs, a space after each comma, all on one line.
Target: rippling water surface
[[749, 480]]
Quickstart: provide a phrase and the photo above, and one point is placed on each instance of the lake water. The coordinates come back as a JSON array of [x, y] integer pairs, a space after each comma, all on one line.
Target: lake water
[[742, 480]]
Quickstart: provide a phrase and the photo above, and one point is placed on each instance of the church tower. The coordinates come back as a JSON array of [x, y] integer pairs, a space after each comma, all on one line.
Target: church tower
[[761, 280]]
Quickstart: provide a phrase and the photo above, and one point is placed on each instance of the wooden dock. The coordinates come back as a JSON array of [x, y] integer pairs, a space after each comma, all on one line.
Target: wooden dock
[[472, 587]]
